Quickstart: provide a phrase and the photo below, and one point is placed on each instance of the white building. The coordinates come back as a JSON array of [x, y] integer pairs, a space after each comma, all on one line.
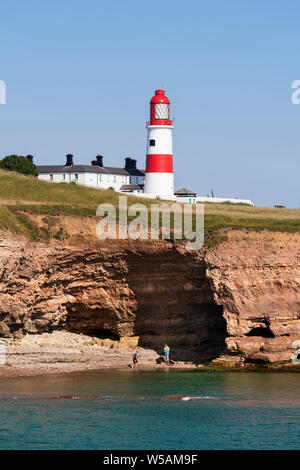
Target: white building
[[127, 179]]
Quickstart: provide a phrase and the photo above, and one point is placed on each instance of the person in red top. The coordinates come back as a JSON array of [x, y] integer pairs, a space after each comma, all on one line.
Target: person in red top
[[135, 359]]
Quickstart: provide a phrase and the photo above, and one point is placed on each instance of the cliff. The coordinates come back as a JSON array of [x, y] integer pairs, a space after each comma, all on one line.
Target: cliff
[[239, 300]]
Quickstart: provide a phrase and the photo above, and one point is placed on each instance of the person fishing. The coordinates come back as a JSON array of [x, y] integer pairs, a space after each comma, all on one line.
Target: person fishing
[[135, 359], [167, 353]]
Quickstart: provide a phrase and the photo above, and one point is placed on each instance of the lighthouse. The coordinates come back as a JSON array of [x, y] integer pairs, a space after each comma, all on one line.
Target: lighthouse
[[159, 178]]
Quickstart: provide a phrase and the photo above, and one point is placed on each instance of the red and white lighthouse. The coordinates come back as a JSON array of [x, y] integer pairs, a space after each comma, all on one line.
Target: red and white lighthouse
[[159, 178]]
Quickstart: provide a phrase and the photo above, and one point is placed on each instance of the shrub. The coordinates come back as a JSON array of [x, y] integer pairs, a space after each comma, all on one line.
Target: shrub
[[19, 164]]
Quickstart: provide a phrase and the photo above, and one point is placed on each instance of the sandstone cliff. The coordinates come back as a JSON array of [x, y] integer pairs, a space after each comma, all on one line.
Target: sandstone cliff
[[239, 300]]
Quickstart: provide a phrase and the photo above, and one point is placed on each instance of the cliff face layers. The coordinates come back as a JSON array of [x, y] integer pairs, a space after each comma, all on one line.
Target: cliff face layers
[[241, 298], [256, 278]]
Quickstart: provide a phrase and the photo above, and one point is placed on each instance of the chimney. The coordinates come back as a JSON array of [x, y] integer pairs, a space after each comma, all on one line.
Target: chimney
[[94, 163], [69, 161], [129, 163], [99, 160], [30, 158]]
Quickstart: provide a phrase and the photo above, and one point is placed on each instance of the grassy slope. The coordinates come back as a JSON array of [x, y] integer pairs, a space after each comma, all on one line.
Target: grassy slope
[[19, 192]]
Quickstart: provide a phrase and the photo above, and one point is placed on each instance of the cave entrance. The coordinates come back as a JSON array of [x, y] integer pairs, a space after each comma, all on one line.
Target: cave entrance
[[261, 331], [195, 333], [175, 306], [102, 333], [92, 322]]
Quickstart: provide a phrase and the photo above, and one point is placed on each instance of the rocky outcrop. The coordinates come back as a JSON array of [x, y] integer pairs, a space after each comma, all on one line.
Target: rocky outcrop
[[239, 300], [256, 278]]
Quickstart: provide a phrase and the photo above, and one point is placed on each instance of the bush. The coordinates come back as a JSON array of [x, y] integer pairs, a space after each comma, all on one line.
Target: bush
[[19, 164]]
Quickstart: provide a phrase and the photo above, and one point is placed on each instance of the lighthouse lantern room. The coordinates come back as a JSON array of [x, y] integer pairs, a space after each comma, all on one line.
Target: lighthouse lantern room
[[159, 178]]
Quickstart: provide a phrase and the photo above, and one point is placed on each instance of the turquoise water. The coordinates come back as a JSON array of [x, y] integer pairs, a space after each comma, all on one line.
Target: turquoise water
[[133, 410]]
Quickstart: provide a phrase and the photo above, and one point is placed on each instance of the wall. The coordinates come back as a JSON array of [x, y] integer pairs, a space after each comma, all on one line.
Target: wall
[[197, 199], [94, 180]]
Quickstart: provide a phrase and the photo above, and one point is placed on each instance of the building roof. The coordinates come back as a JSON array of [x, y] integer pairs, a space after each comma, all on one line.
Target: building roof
[[111, 170], [130, 187], [184, 192]]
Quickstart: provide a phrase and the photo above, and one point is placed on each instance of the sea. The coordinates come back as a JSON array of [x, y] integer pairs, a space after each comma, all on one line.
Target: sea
[[160, 409]]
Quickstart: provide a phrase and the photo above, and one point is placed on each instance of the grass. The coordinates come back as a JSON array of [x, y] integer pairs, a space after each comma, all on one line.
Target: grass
[[17, 189], [22, 194]]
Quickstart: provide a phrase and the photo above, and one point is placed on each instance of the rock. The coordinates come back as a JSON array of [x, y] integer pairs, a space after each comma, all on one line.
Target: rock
[[18, 334], [29, 326], [108, 343], [41, 324], [4, 329], [128, 342]]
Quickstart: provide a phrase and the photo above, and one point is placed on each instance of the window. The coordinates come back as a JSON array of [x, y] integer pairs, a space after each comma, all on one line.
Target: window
[[136, 180], [100, 177], [76, 176], [51, 177], [107, 177], [115, 179], [162, 111], [152, 143], [64, 176]]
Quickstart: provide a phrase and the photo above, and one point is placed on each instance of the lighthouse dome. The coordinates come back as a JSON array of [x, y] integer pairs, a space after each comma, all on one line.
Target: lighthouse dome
[[159, 97], [160, 109]]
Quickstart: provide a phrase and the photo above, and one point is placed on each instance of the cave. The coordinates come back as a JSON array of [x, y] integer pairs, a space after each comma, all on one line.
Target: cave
[[255, 361], [92, 322], [261, 331], [103, 333], [175, 306]]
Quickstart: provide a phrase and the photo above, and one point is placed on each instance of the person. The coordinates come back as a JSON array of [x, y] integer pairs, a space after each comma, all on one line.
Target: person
[[135, 359], [167, 353]]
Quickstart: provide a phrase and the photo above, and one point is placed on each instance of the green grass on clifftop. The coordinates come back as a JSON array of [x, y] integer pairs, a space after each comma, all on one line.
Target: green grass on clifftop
[[20, 194]]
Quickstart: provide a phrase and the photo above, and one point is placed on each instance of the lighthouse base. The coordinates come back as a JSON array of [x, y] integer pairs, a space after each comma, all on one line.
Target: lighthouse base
[[159, 184]]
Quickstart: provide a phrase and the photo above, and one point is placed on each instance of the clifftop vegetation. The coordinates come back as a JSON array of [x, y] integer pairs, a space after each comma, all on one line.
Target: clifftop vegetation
[[19, 164]]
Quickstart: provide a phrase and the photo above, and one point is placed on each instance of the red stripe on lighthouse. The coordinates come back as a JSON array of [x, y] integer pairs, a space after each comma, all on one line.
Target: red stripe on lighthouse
[[159, 163]]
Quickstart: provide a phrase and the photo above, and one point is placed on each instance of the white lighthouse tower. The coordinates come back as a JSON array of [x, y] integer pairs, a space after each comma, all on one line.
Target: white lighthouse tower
[[159, 178]]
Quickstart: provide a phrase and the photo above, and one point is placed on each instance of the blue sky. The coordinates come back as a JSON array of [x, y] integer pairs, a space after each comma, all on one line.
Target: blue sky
[[80, 75]]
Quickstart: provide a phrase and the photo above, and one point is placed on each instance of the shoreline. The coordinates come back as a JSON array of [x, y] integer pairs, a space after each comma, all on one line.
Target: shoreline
[[37, 370], [62, 352], [34, 368]]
